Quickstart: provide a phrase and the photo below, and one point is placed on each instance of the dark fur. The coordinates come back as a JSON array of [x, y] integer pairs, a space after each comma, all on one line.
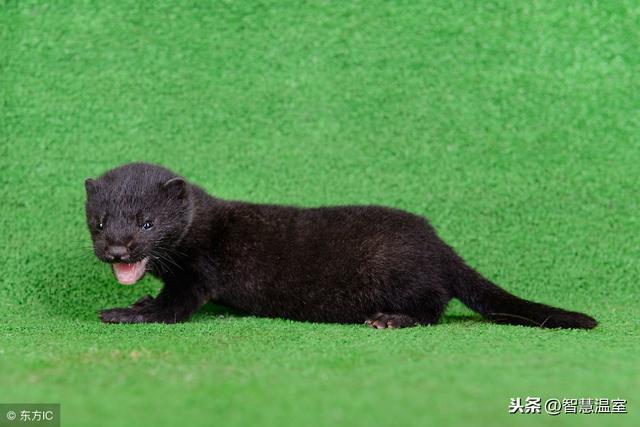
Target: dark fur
[[348, 264]]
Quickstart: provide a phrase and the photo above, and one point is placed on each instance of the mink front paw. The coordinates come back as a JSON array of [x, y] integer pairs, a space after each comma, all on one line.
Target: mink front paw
[[123, 315], [141, 311], [144, 301], [145, 310]]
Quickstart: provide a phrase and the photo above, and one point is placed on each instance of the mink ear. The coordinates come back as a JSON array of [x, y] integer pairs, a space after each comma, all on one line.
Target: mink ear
[[91, 186], [176, 187]]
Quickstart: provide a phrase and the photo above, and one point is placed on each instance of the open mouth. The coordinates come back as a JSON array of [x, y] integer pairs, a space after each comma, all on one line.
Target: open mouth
[[129, 274]]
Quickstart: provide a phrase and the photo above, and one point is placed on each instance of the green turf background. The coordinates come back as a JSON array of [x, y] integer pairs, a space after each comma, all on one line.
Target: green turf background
[[512, 125]]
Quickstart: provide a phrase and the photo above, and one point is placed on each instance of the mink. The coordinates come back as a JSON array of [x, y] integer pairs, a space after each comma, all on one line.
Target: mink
[[376, 265]]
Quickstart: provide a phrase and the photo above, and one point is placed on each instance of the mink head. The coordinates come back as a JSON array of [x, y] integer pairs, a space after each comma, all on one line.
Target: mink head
[[136, 213]]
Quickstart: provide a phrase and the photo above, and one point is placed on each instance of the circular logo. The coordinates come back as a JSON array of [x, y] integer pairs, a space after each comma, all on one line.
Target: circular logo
[[11, 415]]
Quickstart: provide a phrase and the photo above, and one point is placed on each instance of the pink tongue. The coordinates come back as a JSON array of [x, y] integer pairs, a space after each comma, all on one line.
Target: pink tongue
[[128, 274]]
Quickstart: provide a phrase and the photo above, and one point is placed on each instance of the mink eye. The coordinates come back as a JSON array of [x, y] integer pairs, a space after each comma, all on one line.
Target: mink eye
[[100, 226], [147, 225]]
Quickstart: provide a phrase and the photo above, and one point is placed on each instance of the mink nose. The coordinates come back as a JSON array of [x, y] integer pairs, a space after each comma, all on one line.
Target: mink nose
[[117, 253]]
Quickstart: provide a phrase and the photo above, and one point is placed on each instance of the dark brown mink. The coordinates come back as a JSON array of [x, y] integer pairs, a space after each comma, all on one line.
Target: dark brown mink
[[346, 264]]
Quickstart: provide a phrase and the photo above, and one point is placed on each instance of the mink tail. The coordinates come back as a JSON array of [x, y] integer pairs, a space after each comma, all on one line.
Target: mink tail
[[498, 305]]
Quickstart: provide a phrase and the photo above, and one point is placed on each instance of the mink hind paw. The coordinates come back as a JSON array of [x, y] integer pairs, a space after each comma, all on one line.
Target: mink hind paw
[[391, 321]]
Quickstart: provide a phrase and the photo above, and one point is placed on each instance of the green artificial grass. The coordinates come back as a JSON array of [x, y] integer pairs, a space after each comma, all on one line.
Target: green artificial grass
[[512, 125]]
